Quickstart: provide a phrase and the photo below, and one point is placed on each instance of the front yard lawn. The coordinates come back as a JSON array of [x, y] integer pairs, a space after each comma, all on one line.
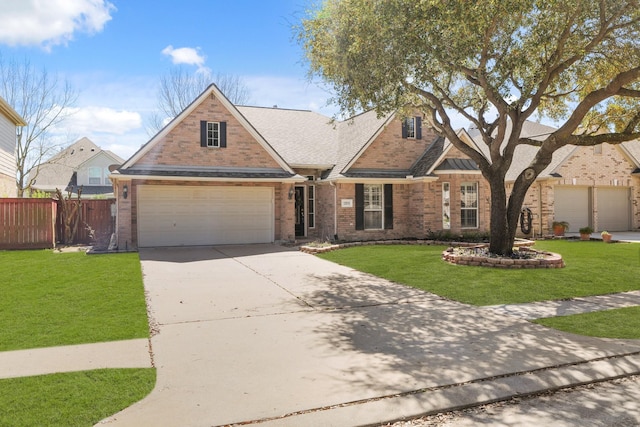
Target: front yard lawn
[[71, 399], [618, 323], [51, 299], [54, 299], [592, 268]]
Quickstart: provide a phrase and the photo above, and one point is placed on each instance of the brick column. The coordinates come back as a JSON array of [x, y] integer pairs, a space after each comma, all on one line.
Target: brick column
[[123, 218]]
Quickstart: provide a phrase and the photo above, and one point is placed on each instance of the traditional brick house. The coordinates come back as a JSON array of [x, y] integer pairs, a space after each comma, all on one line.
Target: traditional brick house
[[223, 174], [596, 186]]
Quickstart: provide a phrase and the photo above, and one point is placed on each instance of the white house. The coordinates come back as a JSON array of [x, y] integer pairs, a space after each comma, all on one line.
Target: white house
[[9, 120]]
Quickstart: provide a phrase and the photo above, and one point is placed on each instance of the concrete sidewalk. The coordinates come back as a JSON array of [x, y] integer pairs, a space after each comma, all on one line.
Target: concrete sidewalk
[[264, 335], [82, 357], [539, 310]]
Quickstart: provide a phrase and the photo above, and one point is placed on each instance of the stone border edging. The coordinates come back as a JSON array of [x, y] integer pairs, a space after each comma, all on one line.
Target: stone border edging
[[550, 260]]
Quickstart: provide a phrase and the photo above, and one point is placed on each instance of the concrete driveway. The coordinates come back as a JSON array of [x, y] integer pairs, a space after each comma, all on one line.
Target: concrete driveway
[[267, 335]]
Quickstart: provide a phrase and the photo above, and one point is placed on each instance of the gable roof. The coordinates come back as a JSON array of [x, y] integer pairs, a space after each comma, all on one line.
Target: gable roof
[[10, 113], [212, 90], [524, 154], [435, 157], [632, 149]]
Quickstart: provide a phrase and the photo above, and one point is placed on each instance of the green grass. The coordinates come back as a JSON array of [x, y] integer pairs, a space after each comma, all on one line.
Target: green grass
[[51, 299], [619, 323], [592, 268], [71, 399]]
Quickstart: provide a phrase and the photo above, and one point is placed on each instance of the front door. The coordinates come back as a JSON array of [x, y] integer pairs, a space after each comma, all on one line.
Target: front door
[[300, 231]]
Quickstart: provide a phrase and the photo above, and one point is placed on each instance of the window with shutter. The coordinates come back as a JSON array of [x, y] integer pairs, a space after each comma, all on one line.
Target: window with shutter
[[213, 134], [374, 206], [412, 128]]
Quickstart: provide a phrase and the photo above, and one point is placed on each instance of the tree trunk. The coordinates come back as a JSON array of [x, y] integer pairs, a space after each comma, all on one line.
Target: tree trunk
[[501, 242], [505, 214]]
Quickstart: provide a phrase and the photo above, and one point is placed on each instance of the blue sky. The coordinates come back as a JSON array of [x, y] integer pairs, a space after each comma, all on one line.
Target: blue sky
[[113, 52]]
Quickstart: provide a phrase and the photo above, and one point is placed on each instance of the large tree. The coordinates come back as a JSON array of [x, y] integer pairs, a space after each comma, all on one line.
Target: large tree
[[43, 101], [496, 63], [178, 88]]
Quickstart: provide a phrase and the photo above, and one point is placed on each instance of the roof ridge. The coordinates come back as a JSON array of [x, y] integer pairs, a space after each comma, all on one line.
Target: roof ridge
[[276, 108]]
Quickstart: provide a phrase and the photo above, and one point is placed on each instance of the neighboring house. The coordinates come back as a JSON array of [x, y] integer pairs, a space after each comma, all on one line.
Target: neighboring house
[[82, 164], [596, 186], [225, 174], [9, 120]]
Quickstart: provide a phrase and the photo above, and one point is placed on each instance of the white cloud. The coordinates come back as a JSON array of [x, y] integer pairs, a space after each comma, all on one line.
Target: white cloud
[[86, 121], [51, 22], [185, 55]]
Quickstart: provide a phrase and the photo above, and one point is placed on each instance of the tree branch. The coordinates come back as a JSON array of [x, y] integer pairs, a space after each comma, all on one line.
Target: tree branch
[[592, 99]]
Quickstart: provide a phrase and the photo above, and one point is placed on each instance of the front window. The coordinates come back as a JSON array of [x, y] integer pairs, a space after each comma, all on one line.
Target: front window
[[410, 125], [469, 205], [213, 134], [311, 208], [95, 176], [446, 206], [373, 206]]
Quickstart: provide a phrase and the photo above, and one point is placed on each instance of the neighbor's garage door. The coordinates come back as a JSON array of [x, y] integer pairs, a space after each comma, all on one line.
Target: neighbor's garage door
[[571, 204], [613, 208], [182, 215]]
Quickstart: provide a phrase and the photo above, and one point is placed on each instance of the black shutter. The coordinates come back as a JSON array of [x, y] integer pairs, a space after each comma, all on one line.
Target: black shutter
[[359, 206], [418, 127], [223, 134], [388, 206], [404, 128], [203, 133]]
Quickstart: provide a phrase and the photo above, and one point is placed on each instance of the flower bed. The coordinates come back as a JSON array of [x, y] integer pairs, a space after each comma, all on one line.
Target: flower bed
[[523, 257]]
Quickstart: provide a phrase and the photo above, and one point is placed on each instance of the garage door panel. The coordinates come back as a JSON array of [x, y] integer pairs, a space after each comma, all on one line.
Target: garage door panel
[[613, 209], [182, 215], [571, 204]]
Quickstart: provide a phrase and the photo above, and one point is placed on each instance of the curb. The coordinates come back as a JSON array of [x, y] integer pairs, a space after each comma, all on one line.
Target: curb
[[419, 403]]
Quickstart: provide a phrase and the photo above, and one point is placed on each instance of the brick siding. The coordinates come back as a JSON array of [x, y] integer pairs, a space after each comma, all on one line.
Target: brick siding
[[182, 147], [585, 168], [391, 151]]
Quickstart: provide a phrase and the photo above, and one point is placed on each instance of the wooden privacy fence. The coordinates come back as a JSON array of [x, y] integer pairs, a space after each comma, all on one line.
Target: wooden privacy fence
[[36, 223], [95, 221], [27, 223]]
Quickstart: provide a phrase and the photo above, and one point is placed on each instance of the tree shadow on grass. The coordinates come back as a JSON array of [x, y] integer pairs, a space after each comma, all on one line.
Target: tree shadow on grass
[[400, 340]]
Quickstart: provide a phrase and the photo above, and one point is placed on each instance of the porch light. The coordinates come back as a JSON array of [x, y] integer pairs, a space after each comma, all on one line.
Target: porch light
[[290, 192], [125, 191]]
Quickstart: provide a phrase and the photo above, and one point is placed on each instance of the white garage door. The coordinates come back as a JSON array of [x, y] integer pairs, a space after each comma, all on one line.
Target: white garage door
[[171, 215], [613, 209], [571, 204]]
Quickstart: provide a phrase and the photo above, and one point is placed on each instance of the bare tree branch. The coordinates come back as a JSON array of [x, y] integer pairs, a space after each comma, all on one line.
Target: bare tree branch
[[178, 88], [44, 101]]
